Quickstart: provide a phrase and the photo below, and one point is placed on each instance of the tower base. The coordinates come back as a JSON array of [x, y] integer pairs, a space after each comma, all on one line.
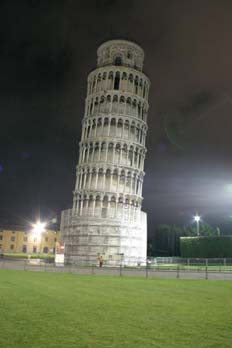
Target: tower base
[[119, 241]]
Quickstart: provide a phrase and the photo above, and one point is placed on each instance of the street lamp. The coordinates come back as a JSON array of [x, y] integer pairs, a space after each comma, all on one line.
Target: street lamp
[[197, 218]]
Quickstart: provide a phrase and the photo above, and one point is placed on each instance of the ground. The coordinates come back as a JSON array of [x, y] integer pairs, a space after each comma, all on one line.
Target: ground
[[68, 310]]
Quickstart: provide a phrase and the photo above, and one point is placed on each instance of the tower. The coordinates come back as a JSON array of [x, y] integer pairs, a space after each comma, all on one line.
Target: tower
[[106, 218]]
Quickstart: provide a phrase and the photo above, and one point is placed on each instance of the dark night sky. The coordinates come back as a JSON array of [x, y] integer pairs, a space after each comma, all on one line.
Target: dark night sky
[[47, 49]]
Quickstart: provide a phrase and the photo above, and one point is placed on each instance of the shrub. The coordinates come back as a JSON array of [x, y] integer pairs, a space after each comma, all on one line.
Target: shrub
[[206, 247]]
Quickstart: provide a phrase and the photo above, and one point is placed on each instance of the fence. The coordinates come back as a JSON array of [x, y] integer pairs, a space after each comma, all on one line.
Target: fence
[[177, 271], [217, 264]]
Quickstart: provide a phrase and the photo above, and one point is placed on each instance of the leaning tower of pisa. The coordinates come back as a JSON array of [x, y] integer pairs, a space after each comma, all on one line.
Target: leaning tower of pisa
[[106, 218]]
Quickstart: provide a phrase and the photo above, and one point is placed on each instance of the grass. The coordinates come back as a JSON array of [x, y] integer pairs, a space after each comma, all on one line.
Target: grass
[[66, 310]]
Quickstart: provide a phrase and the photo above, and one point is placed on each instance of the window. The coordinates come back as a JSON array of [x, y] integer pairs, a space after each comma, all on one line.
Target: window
[[46, 239], [12, 247], [45, 250], [117, 81], [12, 239], [24, 249], [34, 250], [0, 246], [55, 239], [129, 55], [118, 61], [1, 236], [35, 240]]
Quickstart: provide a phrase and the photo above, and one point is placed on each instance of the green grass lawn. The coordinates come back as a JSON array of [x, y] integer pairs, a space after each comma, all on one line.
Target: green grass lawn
[[65, 310]]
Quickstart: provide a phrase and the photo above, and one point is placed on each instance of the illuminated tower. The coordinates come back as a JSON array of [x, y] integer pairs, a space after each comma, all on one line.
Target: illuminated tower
[[106, 218]]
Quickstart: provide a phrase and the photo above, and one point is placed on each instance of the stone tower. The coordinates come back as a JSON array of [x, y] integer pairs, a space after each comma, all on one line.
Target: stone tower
[[106, 218]]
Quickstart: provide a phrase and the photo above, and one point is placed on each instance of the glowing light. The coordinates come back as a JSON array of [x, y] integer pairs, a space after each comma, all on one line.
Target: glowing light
[[38, 228], [197, 218]]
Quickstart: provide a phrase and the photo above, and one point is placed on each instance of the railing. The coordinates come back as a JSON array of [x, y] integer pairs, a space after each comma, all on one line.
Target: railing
[[190, 263], [149, 270]]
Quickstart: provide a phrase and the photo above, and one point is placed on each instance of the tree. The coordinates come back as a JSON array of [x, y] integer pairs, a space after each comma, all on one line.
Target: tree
[[166, 239]]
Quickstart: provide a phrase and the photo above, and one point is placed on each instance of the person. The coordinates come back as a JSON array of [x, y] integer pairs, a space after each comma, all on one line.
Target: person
[[101, 260]]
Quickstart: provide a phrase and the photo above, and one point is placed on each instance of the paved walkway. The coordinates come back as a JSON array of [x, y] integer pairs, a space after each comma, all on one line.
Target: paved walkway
[[117, 271]]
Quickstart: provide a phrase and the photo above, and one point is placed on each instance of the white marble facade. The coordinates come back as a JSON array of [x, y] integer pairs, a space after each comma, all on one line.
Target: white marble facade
[[106, 218]]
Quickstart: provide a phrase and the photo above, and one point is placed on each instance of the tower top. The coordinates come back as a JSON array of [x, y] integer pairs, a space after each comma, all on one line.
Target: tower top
[[120, 52]]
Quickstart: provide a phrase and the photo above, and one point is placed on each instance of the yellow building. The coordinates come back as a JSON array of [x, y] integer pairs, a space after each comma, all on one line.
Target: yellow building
[[20, 240]]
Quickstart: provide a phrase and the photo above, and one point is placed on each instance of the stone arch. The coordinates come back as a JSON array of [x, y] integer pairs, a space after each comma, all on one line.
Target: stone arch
[[99, 78], [117, 153], [140, 87], [112, 206], [115, 98], [136, 84], [115, 104], [122, 178], [126, 128], [85, 202], [110, 152], [110, 80], [105, 206], [131, 83], [137, 132], [113, 127], [93, 84], [128, 106], [144, 89], [90, 203], [97, 206], [124, 154], [106, 121], [131, 78], [120, 206], [96, 151], [120, 123], [96, 104], [91, 107], [108, 98], [117, 81], [139, 109], [131, 155], [122, 99], [134, 104], [132, 129], [99, 126], [124, 76]]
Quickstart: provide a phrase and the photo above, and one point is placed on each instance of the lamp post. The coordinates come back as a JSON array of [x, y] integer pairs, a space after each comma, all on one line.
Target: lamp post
[[197, 218]]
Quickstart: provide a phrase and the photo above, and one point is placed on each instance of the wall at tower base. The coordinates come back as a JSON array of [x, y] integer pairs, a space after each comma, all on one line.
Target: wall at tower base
[[118, 241]]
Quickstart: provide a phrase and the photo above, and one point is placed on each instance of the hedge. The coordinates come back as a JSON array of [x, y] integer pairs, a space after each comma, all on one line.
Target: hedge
[[25, 256], [206, 247]]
